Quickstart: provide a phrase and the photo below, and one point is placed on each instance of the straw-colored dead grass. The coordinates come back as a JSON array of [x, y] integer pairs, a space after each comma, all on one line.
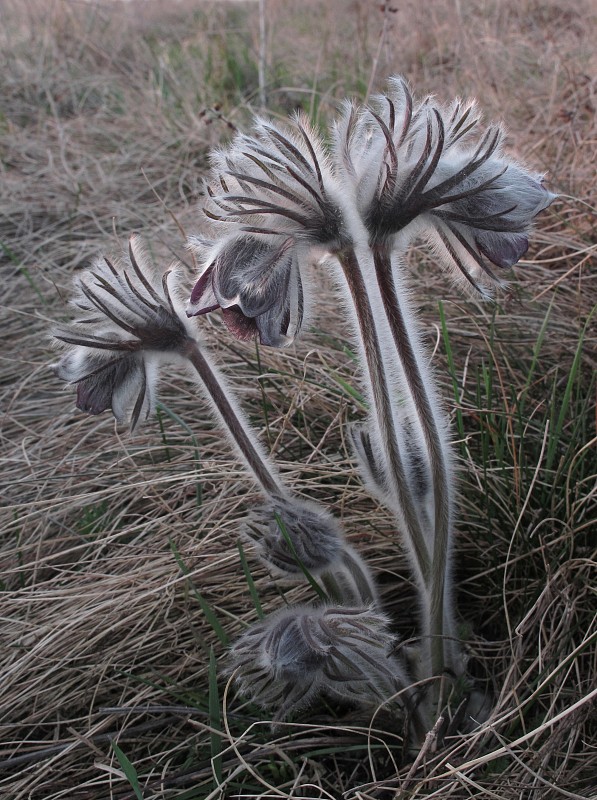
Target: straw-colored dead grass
[[107, 539]]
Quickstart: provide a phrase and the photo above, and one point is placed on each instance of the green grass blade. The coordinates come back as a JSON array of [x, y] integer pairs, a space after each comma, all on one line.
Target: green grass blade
[[179, 421], [451, 369], [538, 346], [250, 581], [556, 431], [129, 770], [205, 607], [215, 719], [351, 391], [312, 582], [264, 401]]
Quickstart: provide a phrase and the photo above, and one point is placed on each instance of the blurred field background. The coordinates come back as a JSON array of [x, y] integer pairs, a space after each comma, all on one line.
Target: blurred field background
[[122, 578]]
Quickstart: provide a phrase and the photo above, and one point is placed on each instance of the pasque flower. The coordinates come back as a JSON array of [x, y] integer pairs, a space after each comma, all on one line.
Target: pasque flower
[[271, 201], [413, 169], [395, 171], [257, 284], [416, 168], [398, 170], [296, 536], [129, 324]]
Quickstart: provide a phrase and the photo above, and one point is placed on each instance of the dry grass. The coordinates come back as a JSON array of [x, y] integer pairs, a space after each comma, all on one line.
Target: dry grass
[[110, 544]]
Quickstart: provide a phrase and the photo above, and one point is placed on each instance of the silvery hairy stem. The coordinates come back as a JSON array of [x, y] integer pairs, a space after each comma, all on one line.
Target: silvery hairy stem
[[238, 428], [420, 386], [300, 536], [379, 310], [382, 411]]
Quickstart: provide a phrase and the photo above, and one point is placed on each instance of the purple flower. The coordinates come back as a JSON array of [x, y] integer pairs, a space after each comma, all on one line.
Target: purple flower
[[414, 169], [270, 202], [257, 285], [130, 323], [124, 383]]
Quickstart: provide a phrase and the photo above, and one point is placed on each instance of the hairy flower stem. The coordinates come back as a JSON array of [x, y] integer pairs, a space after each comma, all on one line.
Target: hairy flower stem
[[440, 617], [350, 581], [383, 412], [265, 476]]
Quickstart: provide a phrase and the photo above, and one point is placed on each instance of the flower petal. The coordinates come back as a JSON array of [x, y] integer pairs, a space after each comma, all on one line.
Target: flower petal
[[502, 250], [134, 398], [279, 326], [96, 392], [271, 326], [203, 299], [252, 274], [240, 326]]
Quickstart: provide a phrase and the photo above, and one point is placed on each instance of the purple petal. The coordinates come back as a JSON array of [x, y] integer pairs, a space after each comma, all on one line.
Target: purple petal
[[93, 398], [252, 274], [95, 392], [272, 326], [503, 251], [203, 299], [240, 326]]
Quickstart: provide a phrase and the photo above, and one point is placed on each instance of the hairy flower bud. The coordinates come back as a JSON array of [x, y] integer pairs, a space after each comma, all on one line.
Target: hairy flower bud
[[297, 654], [292, 534]]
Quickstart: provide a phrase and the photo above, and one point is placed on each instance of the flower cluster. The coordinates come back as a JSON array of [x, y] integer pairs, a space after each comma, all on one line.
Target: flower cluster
[[396, 170], [128, 328], [401, 169]]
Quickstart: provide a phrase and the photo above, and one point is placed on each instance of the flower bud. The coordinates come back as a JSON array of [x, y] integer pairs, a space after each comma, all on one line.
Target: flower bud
[[296, 654], [292, 534]]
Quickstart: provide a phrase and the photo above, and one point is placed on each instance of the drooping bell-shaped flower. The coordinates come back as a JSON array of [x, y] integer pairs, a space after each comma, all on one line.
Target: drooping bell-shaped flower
[[271, 200], [129, 323], [419, 169], [257, 285]]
